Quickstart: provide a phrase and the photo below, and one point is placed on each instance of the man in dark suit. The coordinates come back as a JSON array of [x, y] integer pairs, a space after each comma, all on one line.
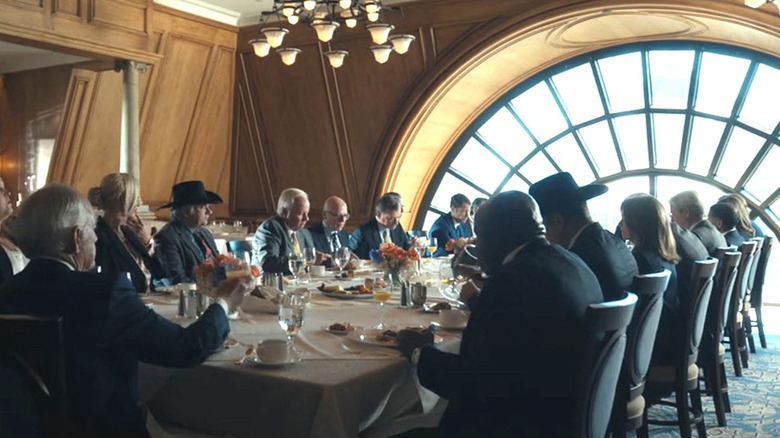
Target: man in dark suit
[[523, 346], [184, 242], [281, 237], [384, 227], [567, 219], [725, 218], [106, 327], [689, 249], [452, 226], [688, 211], [328, 235]]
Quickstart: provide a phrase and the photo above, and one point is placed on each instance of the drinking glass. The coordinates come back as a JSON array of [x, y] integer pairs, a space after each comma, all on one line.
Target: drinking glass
[[449, 281], [309, 257], [291, 315], [296, 264], [341, 257], [432, 246], [382, 292]]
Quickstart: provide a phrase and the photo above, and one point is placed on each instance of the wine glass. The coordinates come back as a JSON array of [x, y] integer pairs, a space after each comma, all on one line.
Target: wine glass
[[341, 257], [291, 315], [309, 257], [296, 264], [449, 280], [382, 292], [432, 246]]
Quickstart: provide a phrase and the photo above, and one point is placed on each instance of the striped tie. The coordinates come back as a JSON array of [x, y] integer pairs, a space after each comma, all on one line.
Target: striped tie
[[296, 248], [387, 236]]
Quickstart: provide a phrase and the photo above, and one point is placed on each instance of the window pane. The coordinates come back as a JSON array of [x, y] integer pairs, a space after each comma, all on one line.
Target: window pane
[[449, 186], [538, 110], [515, 183], [567, 155], [760, 109], [705, 136], [598, 141], [623, 81], [605, 209], [765, 181], [577, 89], [720, 79], [740, 151], [668, 131], [537, 168], [480, 166], [505, 135], [430, 218], [632, 132], [670, 77], [669, 186]]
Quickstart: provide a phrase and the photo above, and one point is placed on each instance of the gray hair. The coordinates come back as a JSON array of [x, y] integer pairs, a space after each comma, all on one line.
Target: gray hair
[[183, 210], [287, 199], [688, 200], [45, 220], [389, 202]]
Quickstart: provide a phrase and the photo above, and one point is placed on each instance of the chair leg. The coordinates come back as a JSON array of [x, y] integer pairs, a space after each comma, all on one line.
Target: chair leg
[[734, 347], [714, 381], [683, 418], [642, 432], [725, 388], [744, 353], [760, 326], [698, 413], [747, 322]]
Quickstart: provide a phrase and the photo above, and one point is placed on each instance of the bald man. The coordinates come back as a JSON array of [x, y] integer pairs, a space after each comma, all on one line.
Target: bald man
[[329, 234]]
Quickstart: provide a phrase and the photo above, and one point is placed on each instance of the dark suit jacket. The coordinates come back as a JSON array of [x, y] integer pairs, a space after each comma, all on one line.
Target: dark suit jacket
[[709, 236], [178, 254], [366, 237], [608, 257], [521, 352], [444, 229], [6, 270], [321, 241], [273, 246], [733, 238], [107, 330], [112, 256], [689, 249]]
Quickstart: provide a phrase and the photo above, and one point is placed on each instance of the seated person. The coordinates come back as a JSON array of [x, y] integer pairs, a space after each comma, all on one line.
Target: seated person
[[726, 219], [184, 242], [328, 235], [646, 224], [107, 329], [452, 226], [384, 227], [689, 250], [688, 212], [124, 242], [564, 209], [533, 303], [282, 236], [747, 227], [11, 258]]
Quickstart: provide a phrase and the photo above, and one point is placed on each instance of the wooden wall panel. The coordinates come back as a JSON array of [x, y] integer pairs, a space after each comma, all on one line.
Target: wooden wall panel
[[447, 35], [126, 15], [67, 7]]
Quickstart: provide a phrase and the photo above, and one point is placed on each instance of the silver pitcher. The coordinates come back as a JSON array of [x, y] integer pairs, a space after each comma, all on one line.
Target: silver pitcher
[[274, 279], [419, 294]]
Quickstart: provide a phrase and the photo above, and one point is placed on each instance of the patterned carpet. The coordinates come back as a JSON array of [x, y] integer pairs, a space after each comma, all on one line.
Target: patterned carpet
[[755, 399]]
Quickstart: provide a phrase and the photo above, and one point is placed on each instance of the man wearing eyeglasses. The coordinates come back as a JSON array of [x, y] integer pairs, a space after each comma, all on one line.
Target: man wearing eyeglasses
[[329, 234], [384, 227]]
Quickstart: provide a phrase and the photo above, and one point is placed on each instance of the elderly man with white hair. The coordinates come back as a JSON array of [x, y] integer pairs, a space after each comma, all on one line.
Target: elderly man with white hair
[[283, 236], [107, 329]]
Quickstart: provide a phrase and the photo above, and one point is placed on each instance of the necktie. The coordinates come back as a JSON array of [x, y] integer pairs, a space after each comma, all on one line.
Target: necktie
[[387, 236], [207, 254], [296, 248], [334, 241]]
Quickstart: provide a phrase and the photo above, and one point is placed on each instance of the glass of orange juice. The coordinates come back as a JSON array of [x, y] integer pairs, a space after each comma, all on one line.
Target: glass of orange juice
[[382, 292]]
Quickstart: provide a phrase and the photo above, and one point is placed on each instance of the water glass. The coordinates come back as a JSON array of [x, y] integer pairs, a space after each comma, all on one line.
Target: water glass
[[292, 309]]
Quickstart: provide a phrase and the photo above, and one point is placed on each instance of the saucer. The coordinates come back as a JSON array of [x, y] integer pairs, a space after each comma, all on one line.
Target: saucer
[[455, 328]]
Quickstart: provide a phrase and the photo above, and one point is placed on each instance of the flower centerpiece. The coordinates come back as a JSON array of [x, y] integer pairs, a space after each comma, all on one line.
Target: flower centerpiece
[[394, 260], [210, 274], [456, 245]]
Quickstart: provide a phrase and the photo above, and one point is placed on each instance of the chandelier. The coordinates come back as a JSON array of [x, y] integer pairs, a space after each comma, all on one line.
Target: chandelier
[[759, 3], [325, 16]]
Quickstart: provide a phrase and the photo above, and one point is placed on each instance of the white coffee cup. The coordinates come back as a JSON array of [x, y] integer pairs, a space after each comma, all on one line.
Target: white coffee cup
[[318, 270], [453, 318], [273, 351]]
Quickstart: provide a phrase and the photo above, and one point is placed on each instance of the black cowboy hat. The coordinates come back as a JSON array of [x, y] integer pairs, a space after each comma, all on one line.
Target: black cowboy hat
[[559, 193], [192, 193]]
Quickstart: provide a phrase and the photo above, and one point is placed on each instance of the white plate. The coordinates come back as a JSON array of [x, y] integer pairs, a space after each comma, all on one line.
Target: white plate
[[257, 362], [345, 296], [353, 328], [369, 337], [455, 328]]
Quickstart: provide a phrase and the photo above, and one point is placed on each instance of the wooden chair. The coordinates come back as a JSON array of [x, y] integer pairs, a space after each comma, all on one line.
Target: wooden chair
[[606, 324], [756, 297], [629, 402], [744, 307], [735, 331], [32, 347], [712, 351], [682, 377]]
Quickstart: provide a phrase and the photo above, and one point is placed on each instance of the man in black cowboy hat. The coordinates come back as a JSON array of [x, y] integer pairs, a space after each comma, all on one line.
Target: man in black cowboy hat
[[184, 243], [567, 219]]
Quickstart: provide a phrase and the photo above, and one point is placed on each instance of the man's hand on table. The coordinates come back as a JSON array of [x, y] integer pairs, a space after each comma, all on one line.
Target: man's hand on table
[[234, 290], [414, 338], [470, 289]]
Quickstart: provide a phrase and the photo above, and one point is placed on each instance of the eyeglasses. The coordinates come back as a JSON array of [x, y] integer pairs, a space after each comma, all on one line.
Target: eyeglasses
[[340, 217]]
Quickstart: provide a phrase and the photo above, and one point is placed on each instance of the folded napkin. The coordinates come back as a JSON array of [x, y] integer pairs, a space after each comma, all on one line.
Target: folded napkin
[[253, 304]]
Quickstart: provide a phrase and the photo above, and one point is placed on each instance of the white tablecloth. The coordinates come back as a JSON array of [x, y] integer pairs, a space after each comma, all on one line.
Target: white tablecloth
[[332, 392]]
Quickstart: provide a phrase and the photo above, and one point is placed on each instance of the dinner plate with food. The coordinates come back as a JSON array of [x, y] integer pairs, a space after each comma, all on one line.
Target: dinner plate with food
[[345, 293], [381, 338], [436, 307], [340, 328]]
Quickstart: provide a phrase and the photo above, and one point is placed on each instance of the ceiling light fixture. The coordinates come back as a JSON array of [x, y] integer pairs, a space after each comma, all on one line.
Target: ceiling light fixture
[[325, 17]]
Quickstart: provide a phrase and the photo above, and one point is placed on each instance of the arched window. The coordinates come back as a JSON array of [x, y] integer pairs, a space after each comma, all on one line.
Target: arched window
[[657, 118]]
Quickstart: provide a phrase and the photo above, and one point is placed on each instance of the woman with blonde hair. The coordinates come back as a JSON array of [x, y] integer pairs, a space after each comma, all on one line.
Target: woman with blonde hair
[[746, 228], [646, 224], [124, 242]]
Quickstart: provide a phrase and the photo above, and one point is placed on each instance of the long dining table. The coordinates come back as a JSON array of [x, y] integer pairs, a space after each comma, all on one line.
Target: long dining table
[[341, 387]]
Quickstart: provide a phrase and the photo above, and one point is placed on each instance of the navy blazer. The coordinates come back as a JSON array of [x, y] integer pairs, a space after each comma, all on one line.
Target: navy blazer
[[107, 330], [535, 303], [444, 229], [709, 236], [177, 252], [689, 249], [273, 246], [366, 237], [6, 270], [112, 256], [608, 257], [734, 238], [322, 241]]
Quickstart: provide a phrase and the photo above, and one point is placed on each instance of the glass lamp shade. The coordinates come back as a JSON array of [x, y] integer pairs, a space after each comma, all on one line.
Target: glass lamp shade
[[372, 16], [754, 3], [372, 7], [288, 54], [274, 35], [350, 22], [336, 57], [379, 32], [325, 29], [293, 19], [260, 46], [381, 52], [309, 5], [288, 9], [401, 42], [345, 4]]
